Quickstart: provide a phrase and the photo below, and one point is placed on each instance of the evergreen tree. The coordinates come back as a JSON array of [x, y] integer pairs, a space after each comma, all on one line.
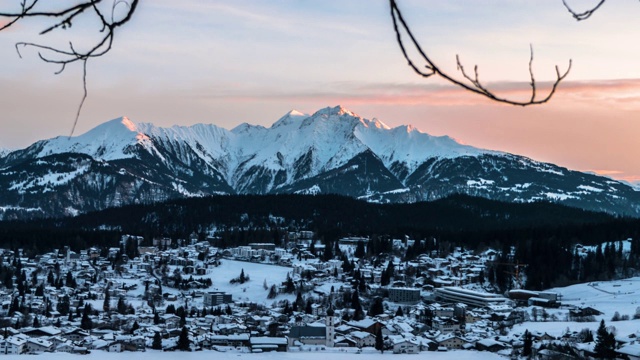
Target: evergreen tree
[[156, 318], [399, 312], [528, 342], [308, 309], [290, 286], [135, 327], [183, 340], [106, 306], [242, 277], [358, 314], [272, 292], [360, 250], [605, 342], [379, 341], [86, 323], [121, 306], [157, 341], [377, 307], [63, 305]]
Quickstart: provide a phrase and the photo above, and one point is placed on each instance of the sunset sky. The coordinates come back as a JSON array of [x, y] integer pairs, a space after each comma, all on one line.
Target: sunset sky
[[229, 62]]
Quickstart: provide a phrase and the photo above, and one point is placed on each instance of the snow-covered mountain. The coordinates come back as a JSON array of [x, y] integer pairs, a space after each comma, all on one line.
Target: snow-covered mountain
[[331, 151]]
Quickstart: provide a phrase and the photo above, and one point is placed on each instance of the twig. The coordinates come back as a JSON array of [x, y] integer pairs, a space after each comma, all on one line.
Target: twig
[[64, 20], [473, 83], [585, 14]]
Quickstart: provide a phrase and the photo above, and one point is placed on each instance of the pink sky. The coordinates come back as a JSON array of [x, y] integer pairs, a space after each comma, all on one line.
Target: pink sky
[[252, 61]]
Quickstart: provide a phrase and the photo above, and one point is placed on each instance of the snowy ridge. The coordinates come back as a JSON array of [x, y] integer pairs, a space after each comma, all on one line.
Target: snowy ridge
[[109, 141], [325, 140], [330, 151]]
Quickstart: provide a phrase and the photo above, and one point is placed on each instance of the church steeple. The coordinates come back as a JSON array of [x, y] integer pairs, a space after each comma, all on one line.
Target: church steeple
[[330, 326]]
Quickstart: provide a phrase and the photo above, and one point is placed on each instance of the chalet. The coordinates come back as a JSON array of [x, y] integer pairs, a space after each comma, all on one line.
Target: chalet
[[451, 341], [363, 339], [13, 345], [490, 345], [38, 345], [41, 331], [344, 341], [405, 346], [369, 325], [582, 312]]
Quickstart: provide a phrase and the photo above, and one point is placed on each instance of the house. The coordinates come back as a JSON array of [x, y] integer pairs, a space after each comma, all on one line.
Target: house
[[13, 345], [450, 341], [363, 338], [369, 325], [75, 334], [115, 346], [42, 331], [344, 341], [490, 345], [307, 335], [405, 346], [37, 345], [261, 344]]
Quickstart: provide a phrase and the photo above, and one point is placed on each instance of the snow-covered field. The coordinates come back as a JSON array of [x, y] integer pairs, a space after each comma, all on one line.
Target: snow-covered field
[[335, 355], [608, 297], [251, 291]]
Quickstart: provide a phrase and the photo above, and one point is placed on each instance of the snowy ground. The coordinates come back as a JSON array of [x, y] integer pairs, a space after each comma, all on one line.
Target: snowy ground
[[335, 355], [251, 291], [609, 297]]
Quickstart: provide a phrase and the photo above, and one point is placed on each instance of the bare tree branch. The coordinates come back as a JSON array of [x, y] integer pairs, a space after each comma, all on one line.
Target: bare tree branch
[[585, 14], [63, 19], [472, 82]]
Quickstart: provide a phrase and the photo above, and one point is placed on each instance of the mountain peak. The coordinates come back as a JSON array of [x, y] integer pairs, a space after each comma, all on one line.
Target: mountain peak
[[289, 118], [128, 124], [335, 111]]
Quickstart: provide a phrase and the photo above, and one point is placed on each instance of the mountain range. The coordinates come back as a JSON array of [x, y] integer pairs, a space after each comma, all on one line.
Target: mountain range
[[122, 162]]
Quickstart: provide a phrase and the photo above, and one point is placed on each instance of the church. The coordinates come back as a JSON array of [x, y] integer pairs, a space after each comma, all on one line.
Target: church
[[314, 333]]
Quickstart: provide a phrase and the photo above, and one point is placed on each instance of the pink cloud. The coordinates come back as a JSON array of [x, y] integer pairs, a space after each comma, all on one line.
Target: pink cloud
[[625, 93]]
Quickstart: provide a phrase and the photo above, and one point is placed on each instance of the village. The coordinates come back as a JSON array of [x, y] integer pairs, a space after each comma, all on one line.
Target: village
[[190, 295]]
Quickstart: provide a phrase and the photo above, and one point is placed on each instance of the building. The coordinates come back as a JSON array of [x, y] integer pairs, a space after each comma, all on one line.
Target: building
[[469, 297], [314, 335], [13, 345], [262, 344], [263, 246], [215, 298], [404, 295]]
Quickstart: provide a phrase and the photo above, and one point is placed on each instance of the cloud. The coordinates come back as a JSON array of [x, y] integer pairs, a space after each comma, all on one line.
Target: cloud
[[621, 92]]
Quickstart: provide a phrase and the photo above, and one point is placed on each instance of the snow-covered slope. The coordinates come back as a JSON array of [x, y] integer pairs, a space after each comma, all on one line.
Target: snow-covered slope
[[330, 151]]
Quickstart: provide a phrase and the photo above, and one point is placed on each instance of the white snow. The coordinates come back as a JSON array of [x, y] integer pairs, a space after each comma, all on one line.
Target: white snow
[[590, 188], [480, 183], [557, 196], [326, 139], [335, 354], [608, 297], [314, 190]]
